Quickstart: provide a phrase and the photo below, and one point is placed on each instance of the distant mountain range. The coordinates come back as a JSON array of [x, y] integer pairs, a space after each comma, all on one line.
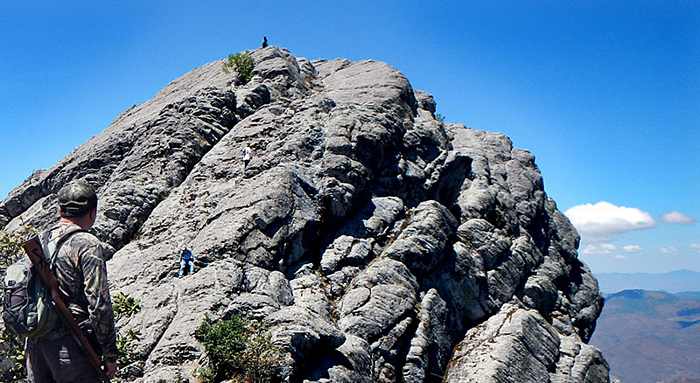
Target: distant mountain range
[[672, 282], [651, 336]]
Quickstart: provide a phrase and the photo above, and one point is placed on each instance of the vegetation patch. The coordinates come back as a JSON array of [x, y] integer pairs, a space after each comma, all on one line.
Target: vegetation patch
[[125, 306], [126, 346], [242, 64], [11, 245], [240, 350], [12, 359]]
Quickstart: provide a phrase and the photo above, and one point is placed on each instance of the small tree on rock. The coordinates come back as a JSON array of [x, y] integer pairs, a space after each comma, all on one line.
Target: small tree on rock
[[242, 64]]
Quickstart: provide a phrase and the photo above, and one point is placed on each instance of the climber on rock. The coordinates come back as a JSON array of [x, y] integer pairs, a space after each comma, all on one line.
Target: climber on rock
[[264, 43], [247, 153], [186, 261]]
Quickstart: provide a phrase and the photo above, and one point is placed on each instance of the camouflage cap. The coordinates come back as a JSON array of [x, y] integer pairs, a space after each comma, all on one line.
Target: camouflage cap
[[77, 199]]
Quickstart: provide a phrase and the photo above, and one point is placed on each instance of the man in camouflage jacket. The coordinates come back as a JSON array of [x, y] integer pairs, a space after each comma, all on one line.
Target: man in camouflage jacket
[[80, 268]]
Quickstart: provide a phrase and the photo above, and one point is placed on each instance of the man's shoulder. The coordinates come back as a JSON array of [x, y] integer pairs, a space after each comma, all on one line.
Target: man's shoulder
[[78, 238], [85, 239], [85, 244]]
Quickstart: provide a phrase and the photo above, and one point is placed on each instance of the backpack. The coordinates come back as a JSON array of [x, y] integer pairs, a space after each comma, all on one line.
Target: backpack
[[27, 305]]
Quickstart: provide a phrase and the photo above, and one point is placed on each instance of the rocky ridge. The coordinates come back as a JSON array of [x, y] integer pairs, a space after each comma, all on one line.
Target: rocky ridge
[[378, 242]]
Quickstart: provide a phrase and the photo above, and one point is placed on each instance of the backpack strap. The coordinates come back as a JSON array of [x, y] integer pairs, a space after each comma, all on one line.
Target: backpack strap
[[52, 254]]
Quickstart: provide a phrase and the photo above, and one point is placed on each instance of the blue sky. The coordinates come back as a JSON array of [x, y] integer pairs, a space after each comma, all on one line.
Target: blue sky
[[606, 94]]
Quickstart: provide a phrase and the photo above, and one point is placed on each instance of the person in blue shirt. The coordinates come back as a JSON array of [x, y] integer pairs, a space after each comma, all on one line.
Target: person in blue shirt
[[186, 260]]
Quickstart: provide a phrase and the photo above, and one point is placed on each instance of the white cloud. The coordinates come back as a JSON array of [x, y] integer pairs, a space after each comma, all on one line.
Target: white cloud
[[677, 217], [602, 219], [632, 248], [666, 250], [599, 249], [695, 246], [604, 248]]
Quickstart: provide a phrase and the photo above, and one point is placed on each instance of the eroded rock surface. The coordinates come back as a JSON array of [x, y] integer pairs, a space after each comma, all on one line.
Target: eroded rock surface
[[379, 243]]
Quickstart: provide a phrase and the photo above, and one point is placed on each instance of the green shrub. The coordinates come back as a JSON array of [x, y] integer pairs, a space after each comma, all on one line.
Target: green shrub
[[12, 352], [11, 244], [238, 349], [125, 306], [126, 343], [440, 118], [261, 359], [242, 64], [12, 346], [223, 341]]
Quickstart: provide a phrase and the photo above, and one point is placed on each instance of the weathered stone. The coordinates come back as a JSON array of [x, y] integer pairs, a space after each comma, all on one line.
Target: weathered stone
[[377, 299], [421, 244], [579, 362], [426, 101], [430, 347], [514, 345]]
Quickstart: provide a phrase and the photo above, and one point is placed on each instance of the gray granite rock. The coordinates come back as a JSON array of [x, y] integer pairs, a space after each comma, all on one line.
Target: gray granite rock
[[514, 345], [379, 243], [579, 362], [430, 347]]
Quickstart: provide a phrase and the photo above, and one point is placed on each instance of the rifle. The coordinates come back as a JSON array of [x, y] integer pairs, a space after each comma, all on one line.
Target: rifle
[[36, 255]]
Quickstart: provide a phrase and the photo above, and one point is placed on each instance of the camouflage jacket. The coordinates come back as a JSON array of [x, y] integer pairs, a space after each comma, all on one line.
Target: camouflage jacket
[[81, 271]]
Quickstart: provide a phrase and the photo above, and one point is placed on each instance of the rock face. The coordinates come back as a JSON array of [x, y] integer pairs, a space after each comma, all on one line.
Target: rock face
[[379, 243]]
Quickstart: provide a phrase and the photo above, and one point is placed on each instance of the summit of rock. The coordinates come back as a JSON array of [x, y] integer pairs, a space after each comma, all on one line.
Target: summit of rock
[[379, 243]]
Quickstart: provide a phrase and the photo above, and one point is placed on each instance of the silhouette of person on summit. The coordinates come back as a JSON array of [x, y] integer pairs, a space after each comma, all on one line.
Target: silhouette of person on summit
[[264, 44]]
